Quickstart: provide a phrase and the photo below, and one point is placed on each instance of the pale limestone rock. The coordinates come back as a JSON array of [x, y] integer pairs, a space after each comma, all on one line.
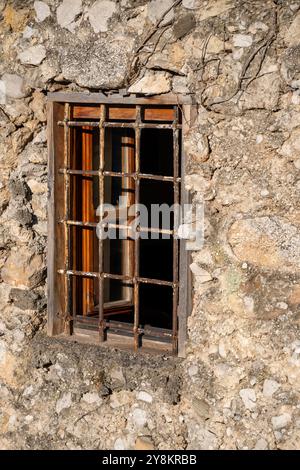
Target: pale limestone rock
[[119, 444], [67, 12], [100, 14], [197, 183], [270, 242], [292, 37], [28, 32], [64, 402], [139, 417], [12, 86], [215, 45], [261, 444], [144, 396], [144, 443], [281, 421], [37, 187], [34, 55], [214, 7], [91, 398], [156, 9], [242, 40], [191, 4], [201, 274], [42, 11], [21, 268], [263, 92], [270, 387], [152, 84], [180, 85], [248, 397], [193, 370]]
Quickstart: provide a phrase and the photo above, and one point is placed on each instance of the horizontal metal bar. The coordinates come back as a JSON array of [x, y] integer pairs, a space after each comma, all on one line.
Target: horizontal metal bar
[[118, 174], [118, 277], [121, 125], [156, 332], [117, 226]]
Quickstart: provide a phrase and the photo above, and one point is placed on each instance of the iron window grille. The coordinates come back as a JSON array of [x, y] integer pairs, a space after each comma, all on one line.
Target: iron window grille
[[70, 289]]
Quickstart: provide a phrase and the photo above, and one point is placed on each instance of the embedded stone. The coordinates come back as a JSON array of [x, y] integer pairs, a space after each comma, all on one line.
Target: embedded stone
[[268, 241], [34, 55], [292, 36], [191, 4], [184, 25], [83, 62], [242, 40], [22, 269], [139, 417], [248, 397], [152, 84], [145, 396], [100, 14], [42, 10], [68, 11], [214, 7], [270, 387], [64, 402], [12, 86], [281, 421], [156, 10]]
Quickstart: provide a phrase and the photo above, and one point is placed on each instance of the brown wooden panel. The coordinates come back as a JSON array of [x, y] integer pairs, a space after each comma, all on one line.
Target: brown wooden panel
[[56, 293], [126, 113], [159, 114]]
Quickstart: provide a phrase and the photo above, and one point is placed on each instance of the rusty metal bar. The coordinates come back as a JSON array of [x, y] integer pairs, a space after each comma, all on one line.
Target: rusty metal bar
[[137, 239], [118, 277], [101, 202], [121, 125], [67, 247], [127, 327], [120, 175], [117, 226], [176, 223]]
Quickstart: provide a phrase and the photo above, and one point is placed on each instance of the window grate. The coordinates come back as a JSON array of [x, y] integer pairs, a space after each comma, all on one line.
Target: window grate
[[103, 322]]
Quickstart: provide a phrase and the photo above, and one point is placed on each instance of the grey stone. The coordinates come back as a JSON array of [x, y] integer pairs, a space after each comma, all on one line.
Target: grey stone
[[19, 187], [91, 398], [12, 86], [184, 25], [100, 14], [98, 64], [139, 417], [242, 40], [34, 55], [156, 9], [42, 10], [249, 398], [191, 4], [261, 444], [145, 396], [67, 12], [270, 387], [25, 299], [64, 402], [281, 421]]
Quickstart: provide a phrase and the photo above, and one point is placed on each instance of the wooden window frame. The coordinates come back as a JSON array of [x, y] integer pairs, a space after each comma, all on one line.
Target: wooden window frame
[[58, 239]]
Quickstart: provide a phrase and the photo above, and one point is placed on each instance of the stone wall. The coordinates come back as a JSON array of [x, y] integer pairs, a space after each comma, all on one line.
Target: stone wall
[[238, 387]]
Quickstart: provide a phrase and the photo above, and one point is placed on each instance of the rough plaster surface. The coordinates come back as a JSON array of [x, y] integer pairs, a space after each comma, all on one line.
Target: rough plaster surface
[[238, 387]]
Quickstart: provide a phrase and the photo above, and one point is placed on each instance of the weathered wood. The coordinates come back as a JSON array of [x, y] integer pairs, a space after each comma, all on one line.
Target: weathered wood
[[98, 98], [161, 114], [55, 258]]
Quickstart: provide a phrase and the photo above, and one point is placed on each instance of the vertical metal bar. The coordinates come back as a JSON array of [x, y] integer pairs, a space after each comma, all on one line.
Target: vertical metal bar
[[176, 220], [101, 202], [137, 239], [67, 244]]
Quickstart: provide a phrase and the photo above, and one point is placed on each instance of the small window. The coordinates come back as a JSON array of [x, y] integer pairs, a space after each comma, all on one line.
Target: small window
[[120, 279]]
